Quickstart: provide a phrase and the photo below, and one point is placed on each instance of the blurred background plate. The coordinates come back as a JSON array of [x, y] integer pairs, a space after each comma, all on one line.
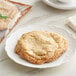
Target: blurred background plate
[[68, 5]]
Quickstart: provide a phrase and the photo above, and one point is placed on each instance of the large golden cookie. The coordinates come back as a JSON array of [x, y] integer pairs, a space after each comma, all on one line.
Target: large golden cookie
[[40, 47]]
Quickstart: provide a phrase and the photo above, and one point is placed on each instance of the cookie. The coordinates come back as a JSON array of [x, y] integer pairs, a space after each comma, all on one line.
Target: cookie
[[40, 47], [7, 12]]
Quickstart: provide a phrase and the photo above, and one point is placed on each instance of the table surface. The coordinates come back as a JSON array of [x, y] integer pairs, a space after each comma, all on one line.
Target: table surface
[[39, 14]]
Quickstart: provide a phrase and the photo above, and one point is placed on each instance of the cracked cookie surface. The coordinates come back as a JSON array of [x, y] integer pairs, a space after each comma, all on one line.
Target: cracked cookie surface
[[40, 47]]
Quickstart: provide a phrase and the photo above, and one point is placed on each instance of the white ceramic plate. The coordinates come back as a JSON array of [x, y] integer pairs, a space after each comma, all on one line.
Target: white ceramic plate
[[12, 40], [64, 6]]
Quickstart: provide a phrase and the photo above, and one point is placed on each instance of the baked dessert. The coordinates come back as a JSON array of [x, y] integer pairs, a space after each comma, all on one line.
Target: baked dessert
[[40, 47], [8, 12]]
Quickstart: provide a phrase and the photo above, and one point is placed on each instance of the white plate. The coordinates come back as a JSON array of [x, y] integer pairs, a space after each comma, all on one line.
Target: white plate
[[12, 40], [59, 5]]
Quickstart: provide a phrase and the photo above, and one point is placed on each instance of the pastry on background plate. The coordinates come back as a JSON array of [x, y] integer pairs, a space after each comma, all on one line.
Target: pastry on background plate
[[40, 47], [10, 14]]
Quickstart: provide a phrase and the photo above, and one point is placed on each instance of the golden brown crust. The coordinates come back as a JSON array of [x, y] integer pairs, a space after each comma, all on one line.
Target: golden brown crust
[[45, 54]]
